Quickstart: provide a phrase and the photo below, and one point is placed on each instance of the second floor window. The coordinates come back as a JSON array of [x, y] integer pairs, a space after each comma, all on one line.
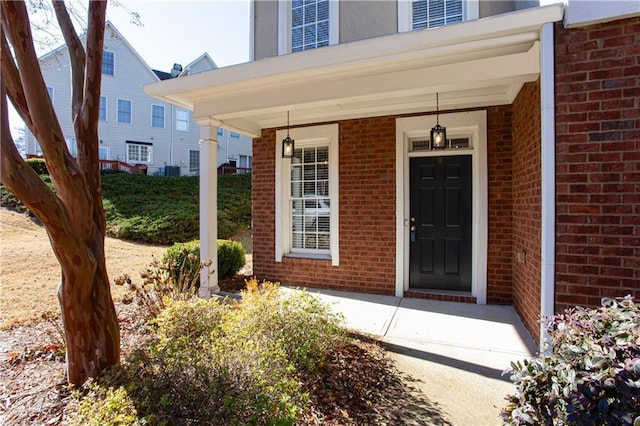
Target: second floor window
[[306, 24], [182, 120], [435, 13], [102, 116], [108, 63], [124, 111], [157, 116], [309, 24]]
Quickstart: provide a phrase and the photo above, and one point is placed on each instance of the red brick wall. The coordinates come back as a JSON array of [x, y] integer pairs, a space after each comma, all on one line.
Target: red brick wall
[[367, 213], [527, 205], [598, 162], [499, 158]]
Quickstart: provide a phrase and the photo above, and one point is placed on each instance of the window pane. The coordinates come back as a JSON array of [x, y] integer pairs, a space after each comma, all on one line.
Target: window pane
[[108, 63], [310, 205], [435, 13], [157, 116], [182, 120], [194, 161], [124, 111], [309, 24], [103, 109]]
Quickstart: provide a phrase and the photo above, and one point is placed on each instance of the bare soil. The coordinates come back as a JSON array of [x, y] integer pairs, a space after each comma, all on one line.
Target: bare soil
[[30, 273]]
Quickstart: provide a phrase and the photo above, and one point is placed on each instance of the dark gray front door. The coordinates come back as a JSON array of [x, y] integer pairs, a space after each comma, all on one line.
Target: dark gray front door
[[440, 224]]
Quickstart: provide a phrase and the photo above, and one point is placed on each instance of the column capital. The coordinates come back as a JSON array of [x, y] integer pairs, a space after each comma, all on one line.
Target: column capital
[[208, 122]]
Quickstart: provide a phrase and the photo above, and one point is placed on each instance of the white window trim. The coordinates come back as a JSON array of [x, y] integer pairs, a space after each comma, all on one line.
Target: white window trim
[[114, 63], [284, 25], [306, 136], [470, 11], [129, 160], [118, 111], [474, 125], [106, 109], [187, 120], [164, 116]]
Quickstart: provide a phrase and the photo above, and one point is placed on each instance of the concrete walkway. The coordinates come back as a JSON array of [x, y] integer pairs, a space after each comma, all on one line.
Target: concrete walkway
[[454, 352]]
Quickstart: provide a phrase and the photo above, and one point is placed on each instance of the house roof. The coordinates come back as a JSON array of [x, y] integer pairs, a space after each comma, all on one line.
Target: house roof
[[163, 75], [477, 63]]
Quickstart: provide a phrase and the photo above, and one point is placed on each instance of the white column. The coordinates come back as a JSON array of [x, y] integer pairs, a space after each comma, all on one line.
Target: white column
[[548, 181], [209, 206]]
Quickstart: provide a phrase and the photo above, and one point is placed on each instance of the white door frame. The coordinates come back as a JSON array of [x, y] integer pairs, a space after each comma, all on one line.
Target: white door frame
[[473, 125]]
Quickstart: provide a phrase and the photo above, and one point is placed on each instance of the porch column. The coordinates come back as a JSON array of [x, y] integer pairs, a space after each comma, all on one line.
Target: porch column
[[548, 180], [208, 206]]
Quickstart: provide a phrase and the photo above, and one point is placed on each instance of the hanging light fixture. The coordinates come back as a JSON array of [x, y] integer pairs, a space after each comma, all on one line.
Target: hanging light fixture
[[287, 143], [438, 133]]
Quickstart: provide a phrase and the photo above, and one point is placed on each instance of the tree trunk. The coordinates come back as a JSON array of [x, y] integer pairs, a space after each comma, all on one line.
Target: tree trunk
[[74, 215], [91, 325]]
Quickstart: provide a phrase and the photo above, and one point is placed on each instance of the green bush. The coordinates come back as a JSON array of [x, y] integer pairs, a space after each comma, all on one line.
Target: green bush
[[38, 165], [102, 405], [210, 362], [591, 375], [231, 256]]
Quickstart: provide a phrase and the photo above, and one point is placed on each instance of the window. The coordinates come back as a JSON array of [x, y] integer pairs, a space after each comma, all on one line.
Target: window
[[139, 153], [73, 147], [306, 24], [157, 116], [307, 195], [220, 131], [102, 116], [234, 135], [194, 161], [421, 14], [50, 92], [103, 153], [124, 111], [182, 120], [108, 63], [245, 161]]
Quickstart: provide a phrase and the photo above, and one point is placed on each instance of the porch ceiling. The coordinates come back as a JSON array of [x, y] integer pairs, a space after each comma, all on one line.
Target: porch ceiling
[[477, 63]]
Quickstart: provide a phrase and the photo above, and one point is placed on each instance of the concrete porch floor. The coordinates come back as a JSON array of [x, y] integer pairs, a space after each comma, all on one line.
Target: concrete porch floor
[[454, 352]]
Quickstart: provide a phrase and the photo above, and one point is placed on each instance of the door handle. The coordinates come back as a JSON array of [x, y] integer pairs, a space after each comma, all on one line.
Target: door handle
[[413, 233]]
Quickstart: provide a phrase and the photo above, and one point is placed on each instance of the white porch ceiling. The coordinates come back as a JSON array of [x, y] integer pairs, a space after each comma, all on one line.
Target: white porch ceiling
[[472, 64]]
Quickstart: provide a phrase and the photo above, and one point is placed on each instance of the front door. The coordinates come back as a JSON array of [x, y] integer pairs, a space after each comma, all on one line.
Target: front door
[[440, 224]]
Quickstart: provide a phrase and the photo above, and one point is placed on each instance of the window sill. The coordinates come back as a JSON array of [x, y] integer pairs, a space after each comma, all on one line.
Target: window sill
[[308, 256]]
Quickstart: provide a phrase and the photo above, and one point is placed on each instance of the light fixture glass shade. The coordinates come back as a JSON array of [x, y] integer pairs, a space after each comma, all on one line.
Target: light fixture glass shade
[[287, 147], [438, 137]]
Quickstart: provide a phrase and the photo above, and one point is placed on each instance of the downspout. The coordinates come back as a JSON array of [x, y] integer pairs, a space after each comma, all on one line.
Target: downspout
[[548, 180]]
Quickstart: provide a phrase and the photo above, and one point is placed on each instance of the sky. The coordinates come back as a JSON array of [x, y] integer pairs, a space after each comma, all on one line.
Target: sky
[[181, 31]]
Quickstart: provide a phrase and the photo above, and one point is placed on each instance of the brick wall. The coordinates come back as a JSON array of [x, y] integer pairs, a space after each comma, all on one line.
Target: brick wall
[[367, 213], [598, 162], [499, 158], [527, 206]]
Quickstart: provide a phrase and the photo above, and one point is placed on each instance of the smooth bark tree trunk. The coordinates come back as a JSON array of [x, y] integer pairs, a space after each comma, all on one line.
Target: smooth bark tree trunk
[[73, 216]]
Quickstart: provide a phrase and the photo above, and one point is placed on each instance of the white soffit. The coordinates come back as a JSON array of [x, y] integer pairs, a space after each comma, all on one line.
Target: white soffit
[[477, 63]]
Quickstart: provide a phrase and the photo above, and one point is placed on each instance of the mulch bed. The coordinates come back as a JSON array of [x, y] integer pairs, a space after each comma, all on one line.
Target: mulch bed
[[358, 384]]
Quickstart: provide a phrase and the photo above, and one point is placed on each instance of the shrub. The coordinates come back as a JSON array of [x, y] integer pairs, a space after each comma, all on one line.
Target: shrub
[[231, 256], [102, 405], [210, 362], [38, 165], [591, 375]]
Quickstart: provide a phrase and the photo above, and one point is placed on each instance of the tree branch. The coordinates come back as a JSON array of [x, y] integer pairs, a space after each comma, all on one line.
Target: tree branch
[[11, 80], [66, 176], [34, 193], [76, 56]]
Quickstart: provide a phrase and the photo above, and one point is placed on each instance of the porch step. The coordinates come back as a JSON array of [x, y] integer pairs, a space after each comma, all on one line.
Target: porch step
[[444, 296]]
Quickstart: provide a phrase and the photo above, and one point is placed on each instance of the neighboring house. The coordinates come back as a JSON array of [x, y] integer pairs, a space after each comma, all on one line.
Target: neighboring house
[[135, 128], [534, 200]]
